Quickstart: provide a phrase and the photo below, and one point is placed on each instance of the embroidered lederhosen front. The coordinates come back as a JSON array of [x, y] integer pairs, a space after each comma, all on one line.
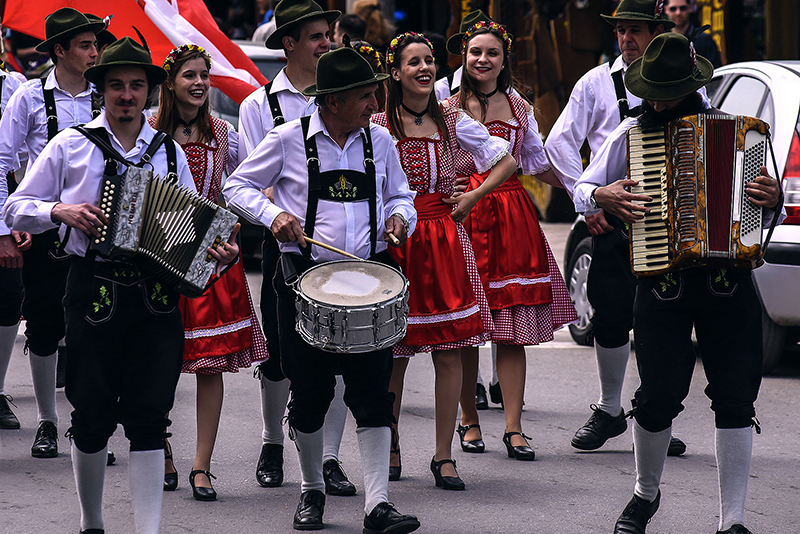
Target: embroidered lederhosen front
[[340, 185]]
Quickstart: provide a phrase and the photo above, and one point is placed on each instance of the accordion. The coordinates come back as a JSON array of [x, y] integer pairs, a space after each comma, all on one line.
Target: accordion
[[164, 227], [695, 170]]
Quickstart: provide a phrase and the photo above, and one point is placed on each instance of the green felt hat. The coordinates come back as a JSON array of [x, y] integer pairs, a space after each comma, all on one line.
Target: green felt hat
[[104, 36], [66, 23], [668, 70], [640, 10], [126, 53], [290, 13], [453, 44], [341, 70]]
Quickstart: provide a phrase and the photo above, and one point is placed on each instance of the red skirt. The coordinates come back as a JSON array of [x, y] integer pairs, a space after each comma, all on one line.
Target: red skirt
[[447, 306], [221, 330]]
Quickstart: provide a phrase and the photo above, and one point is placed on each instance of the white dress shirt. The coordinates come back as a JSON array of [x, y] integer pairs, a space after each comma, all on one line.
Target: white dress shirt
[[10, 85], [24, 123], [279, 162], [444, 89], [255, 117], [70, 170]]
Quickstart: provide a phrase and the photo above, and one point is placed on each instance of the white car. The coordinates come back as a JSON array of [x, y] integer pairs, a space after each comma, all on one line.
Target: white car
[[769, 90]]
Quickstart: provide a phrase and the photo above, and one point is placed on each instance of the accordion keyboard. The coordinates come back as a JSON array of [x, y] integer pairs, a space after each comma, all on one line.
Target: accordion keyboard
[[649, 235]]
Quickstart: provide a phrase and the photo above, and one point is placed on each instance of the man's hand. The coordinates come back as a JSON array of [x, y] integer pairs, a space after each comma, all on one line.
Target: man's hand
[[24, 240], [597, 224], [10, 255], [396, 227], [226, 252], [464, 202], [85, 217], [617, 200], [764, 191], [286, 228]]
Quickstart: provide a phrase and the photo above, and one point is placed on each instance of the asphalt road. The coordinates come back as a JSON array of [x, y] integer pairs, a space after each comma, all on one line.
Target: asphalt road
[[562, 492]]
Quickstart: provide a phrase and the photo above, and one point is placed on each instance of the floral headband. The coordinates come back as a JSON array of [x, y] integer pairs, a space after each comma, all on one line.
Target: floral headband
[[169, 61], [491, 26], [398, 40], [368, 51]]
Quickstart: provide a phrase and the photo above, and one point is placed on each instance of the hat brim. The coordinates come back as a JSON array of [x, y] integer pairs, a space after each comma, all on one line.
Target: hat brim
[[94, 27], [637, 17], [312, 91], [155, 74], [275, 39], [645, 90]]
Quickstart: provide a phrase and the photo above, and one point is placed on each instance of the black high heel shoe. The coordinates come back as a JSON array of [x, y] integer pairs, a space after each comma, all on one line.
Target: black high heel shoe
[[473, 445], [170, 479], [395, 470], [202, 494], [524, 452], [448, 483]]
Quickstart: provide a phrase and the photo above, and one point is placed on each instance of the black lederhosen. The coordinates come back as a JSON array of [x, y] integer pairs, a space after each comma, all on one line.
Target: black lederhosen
[[611, 286], [724, 309], [125, 335], [10, 278]]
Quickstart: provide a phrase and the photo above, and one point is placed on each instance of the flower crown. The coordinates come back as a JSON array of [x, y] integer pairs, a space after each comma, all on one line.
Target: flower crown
[[491, 26], [169, 61], [368, 51], [398, 40]]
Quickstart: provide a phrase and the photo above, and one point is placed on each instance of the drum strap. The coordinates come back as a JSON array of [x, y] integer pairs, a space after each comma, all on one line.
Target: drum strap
[[622, 98], [340, 185], [274, 106]]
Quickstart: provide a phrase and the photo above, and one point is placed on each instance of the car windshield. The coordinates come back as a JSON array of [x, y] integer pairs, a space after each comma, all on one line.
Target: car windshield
[[226, 108]]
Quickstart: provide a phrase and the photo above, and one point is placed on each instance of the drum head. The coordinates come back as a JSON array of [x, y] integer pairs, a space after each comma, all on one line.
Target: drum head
[[351, 283]]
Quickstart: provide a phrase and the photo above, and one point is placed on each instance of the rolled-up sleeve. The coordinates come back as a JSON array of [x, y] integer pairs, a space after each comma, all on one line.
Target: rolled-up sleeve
[[608, 165]]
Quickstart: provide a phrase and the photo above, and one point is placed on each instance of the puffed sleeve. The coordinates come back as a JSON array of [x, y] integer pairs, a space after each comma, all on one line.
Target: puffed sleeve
[[533, 159], [486, 150]]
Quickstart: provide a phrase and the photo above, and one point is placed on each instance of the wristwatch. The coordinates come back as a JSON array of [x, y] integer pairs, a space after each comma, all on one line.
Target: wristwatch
[[592, 200], [402, 219]]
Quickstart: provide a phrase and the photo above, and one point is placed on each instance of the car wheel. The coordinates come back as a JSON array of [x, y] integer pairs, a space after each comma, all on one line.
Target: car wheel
[[774, 343], [576, 277]]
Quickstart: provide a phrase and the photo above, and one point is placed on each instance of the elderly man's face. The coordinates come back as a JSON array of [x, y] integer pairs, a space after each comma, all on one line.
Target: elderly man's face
[[355, 107]]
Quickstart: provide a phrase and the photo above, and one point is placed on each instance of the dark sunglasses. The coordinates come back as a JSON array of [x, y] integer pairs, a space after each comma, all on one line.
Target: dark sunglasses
[[675, 9]]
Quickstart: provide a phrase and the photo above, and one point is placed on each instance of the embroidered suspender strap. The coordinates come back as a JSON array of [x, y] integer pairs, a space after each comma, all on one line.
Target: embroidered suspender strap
[[314, 184], [622, 98], [369, 166], [274, 106], [50, 112]]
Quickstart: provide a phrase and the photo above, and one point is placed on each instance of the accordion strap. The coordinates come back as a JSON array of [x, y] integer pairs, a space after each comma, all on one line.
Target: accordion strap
[[99, 136], [777, 212]]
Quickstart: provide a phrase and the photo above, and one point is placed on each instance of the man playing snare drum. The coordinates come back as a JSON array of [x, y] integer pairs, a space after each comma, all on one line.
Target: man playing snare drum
[[337, 178]]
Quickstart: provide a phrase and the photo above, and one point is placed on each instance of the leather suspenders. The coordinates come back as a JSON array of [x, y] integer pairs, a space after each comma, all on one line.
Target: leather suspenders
[[52, 114], [274, 106], [622, 98]]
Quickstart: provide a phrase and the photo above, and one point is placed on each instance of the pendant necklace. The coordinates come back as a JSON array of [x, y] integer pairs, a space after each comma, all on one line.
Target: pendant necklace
[[485, 97], [417, 116], [187, 126]]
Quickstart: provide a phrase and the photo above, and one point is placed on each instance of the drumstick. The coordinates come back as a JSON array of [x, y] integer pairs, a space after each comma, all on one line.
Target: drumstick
[[332, 249], [393, 238]]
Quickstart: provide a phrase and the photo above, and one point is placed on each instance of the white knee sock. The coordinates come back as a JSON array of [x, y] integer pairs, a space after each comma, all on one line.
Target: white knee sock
[[90, 471], [611, 365], [734, 447], [334, 423], [43, 372], [374, 444], [479, 377], [146, 477], [309, 451], [274, 397], [495, 379], [8, 335], [650, 451]]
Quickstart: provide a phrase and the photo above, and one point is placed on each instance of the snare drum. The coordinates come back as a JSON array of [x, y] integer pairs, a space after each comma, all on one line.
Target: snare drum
[[352, 306]]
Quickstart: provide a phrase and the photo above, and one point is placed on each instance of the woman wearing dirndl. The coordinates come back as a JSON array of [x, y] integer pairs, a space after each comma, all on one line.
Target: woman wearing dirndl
[[526, 293], [222, 333], [447, 306]]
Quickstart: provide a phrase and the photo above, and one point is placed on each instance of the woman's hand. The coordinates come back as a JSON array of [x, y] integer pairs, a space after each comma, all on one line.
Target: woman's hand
[[465, 203]]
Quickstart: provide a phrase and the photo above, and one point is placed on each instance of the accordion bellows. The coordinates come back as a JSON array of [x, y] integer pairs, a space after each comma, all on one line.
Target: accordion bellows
[[695, 170], [166, 228]]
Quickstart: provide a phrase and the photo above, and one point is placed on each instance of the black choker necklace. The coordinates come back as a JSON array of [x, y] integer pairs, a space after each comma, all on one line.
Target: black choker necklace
[[187, 126], [417, 116], [487, 96]]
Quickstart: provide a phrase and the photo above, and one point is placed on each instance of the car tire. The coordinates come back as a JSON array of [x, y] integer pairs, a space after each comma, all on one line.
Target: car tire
[[576, 277], [774, 343]]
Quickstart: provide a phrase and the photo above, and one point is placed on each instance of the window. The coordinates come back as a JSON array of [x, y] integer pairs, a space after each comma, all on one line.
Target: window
[[744, 97]]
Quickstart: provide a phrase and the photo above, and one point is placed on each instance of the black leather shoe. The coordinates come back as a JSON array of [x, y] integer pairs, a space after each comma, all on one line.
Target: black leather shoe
[[46, 443], [521, 452], [395, 470], [202, 494], [444, 482], [385, 519], [170, 479], [269, 471], [676, 447], [8, 420], [474, 445], [336, 482], [636, 515], [600, 427], [481, 402], [735, 529], [309, 511], [496, 394]]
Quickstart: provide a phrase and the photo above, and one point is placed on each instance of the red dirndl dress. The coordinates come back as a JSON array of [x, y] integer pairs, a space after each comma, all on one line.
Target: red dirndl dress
[[447, 304], [526, 292], [221, 329]]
